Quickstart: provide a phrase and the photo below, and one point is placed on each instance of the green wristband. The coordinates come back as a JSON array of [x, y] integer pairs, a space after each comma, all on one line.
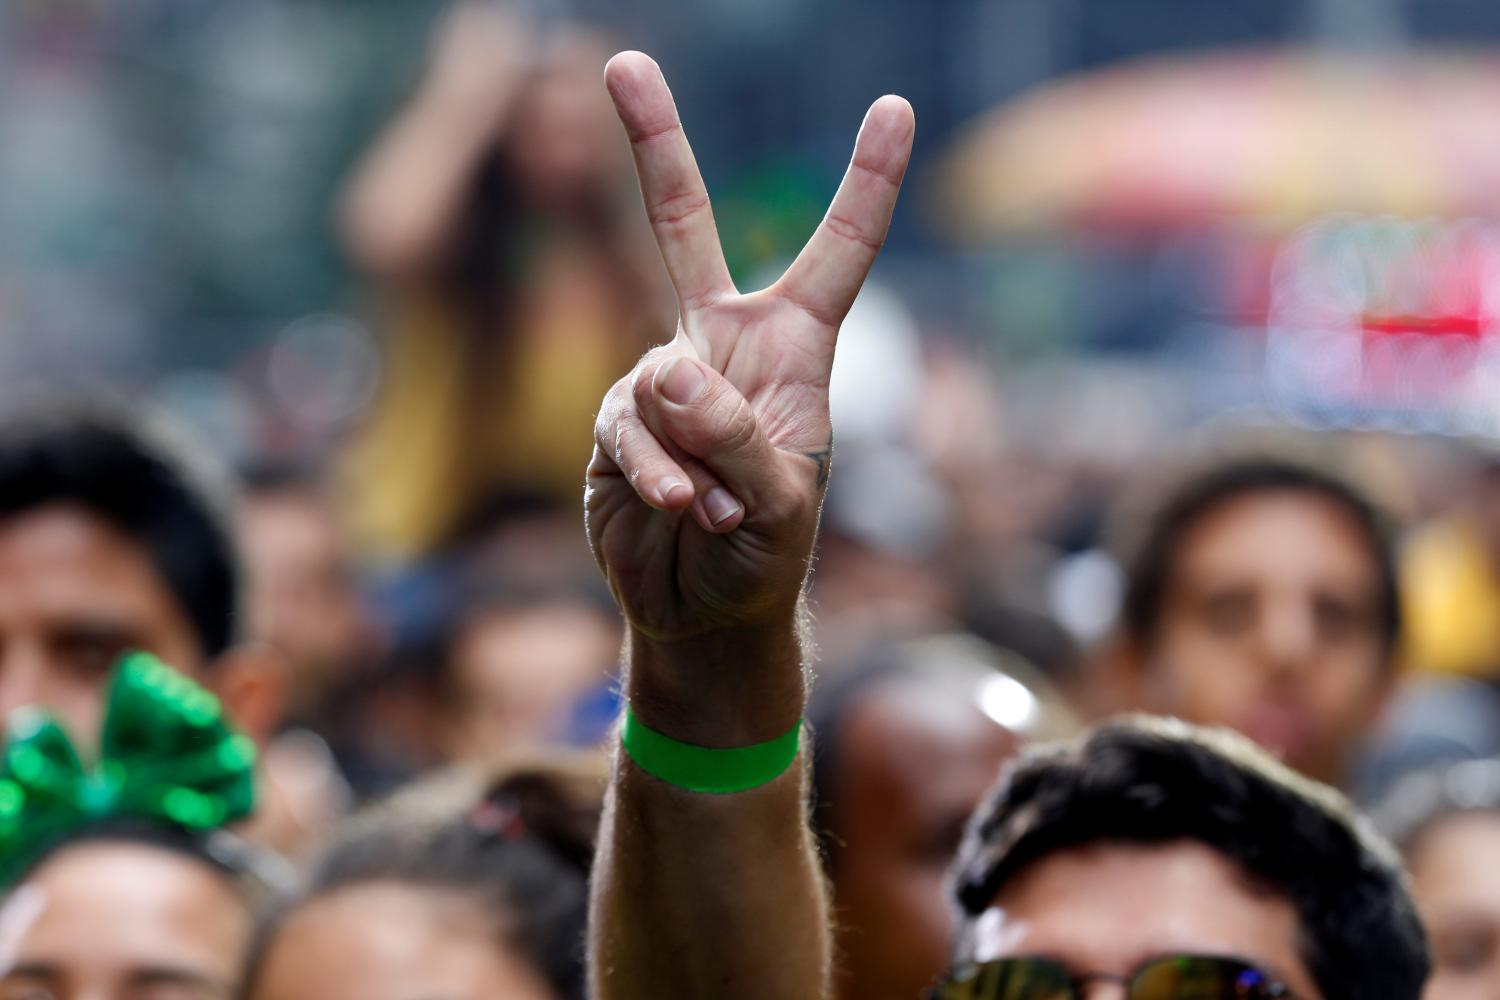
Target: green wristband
[[705, 769]]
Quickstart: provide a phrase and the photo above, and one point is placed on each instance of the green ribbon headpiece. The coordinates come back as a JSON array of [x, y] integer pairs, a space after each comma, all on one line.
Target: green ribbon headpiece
[[166, 755]]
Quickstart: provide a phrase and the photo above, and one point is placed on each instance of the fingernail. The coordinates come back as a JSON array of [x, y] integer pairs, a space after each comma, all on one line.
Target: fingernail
[[670, 487], [681, 381], [720, 505]]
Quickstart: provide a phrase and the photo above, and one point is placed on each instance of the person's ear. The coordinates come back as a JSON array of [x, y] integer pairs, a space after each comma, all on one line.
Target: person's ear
[[250, 680]]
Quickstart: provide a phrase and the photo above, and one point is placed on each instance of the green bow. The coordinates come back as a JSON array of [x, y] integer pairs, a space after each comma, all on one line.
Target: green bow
[[166, 754]]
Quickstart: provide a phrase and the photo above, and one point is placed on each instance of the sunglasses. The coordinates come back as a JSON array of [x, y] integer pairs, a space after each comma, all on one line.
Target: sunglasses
[[1174, 977]]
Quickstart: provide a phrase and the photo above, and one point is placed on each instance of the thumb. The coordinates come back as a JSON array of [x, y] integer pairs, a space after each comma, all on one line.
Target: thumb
[[707, 417]]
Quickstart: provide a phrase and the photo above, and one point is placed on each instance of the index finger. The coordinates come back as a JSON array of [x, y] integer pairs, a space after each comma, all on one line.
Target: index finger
[[827, 274], [676, 200]]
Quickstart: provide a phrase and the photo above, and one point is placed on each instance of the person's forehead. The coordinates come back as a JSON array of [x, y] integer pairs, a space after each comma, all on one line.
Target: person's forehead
[[1276, 530], [62, 543], [61, 526], [920, 745], [290, 520], [385, 918], [125, 907], [1109, 907], [1457, 861], [388, 939], [514, 644], [58, 561], [911, 760], [562, 616]]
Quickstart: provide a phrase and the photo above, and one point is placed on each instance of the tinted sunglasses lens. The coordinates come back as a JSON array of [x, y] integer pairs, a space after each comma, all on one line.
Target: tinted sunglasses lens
[[1010, 979], [1189, 977]]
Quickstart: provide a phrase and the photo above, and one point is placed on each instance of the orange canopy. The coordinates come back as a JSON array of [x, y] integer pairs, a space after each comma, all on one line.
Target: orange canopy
[[1270, 136]]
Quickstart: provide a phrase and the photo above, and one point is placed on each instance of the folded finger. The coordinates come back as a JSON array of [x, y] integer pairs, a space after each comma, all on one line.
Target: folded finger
[[706, 417], [623, 440]]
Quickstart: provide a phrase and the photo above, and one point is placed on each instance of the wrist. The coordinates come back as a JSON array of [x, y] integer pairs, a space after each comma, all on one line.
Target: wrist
[[728, 688]]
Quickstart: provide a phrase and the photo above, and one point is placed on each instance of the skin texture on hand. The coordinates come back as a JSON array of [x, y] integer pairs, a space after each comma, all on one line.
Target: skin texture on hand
[[712, 454], [702, 503]]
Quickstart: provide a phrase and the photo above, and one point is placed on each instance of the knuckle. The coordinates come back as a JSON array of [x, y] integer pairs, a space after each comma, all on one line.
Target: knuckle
[[678, 207], [619, 393], [603, 427], [617, 405], [850, 231], [625, 432], [735, 426]]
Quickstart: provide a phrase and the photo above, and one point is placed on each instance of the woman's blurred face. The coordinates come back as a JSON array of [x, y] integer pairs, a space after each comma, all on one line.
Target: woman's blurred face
[[390, 941], [122, 921], [1455, 871], [565, 142]]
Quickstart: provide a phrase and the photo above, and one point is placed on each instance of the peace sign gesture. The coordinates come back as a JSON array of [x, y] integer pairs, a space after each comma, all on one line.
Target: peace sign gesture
[[712, 455]]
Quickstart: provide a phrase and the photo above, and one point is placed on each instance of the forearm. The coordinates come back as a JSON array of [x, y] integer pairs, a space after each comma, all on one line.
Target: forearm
[[402, 210], [701, 895]]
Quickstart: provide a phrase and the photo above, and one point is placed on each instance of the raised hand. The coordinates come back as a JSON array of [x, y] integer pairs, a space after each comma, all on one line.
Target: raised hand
[[712, 455], [481, 53]]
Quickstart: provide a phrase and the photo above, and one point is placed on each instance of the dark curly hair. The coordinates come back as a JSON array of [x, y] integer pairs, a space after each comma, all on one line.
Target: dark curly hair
[[1152, 781]]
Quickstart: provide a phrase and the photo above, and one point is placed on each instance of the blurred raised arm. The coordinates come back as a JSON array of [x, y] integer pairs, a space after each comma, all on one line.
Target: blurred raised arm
[[402, 209], [702, 502]]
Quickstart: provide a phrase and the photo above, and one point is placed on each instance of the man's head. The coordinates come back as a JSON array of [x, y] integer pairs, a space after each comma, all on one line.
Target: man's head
[[1149, 838], [907, 743], [112, 538], [1447, 823], [1263, 598]]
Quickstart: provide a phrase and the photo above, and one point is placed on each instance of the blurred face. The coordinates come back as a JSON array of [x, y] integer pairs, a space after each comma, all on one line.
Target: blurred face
[[1456, 877], [516, 673], [1270, 625], [388, 941], [915, 762], [564, 140], [75, 594], [1108, 908], [300, 597], [1487, 509], [120, 921]]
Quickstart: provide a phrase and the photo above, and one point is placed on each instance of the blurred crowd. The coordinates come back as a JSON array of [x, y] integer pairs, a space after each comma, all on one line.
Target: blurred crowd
[[405, 619]]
